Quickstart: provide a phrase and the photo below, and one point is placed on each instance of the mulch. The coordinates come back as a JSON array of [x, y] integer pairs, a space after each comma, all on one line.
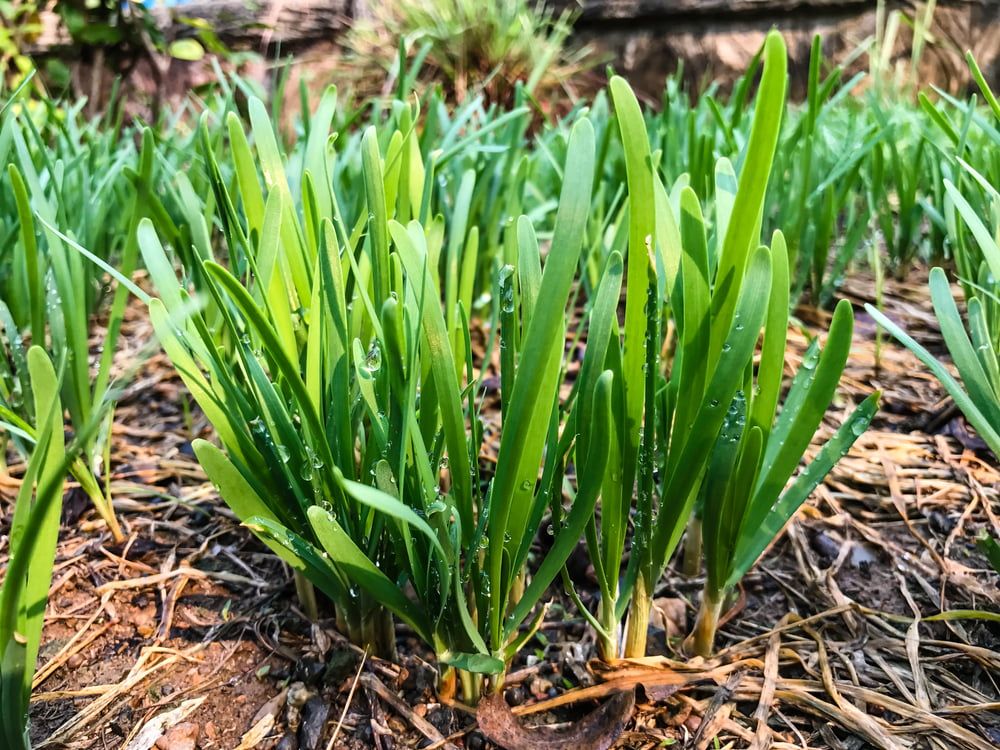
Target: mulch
[[871, 622]]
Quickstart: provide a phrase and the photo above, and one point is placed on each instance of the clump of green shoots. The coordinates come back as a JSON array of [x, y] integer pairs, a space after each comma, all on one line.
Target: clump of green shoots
[[466, 47], [699, 424], [334, 358], [66, 181], [346, 398], [32, 546], [972, 218], [746, 494]]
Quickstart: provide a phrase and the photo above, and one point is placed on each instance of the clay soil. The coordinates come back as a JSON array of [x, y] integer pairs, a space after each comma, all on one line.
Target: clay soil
[[188, 636]]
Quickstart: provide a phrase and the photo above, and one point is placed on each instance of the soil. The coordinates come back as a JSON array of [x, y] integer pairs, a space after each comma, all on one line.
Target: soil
[[832, 641]]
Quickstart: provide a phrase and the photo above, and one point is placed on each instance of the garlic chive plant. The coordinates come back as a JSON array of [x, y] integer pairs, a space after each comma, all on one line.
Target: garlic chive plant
[[32, 541], [972, 218], [345, 395], [717, 317], [699, 423], [820, 202], [65, 181], [318, 305], [746, 493], [32, 548]]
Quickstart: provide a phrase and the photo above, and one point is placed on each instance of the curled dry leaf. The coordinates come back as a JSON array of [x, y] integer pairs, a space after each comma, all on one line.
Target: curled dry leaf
[[669, 614], [263, 722], [257, 733], [598, 730]]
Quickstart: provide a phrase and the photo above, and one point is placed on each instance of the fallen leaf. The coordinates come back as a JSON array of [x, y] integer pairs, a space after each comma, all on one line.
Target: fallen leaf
[[657, 692], [257, 734], [596, 731], [669, 615], [263, 722], [272, 707]]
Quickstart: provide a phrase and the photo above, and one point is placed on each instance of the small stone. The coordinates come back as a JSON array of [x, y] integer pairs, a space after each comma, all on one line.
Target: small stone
[[341, 665], [515, 696], [442, 719], [298, 695], [145, 622], [314, 716], [309, 671], [540, 687], [181, 737]]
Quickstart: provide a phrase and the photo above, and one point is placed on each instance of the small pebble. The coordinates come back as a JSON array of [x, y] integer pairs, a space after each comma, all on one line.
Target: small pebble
[[515, 696], [540, 687], [181, 737], [314, 716], [298, 695]]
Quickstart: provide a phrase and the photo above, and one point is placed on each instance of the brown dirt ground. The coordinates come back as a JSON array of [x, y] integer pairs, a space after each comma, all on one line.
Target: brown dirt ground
[[829, 644]]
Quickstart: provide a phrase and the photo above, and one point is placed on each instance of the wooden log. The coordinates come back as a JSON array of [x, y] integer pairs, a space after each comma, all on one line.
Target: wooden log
[[267, 21], [719, 47], [637, 10], [236, 22]]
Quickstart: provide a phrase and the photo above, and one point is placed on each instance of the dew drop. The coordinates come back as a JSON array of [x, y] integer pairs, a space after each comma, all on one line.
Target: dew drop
[[810, 359], [374, 359]]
